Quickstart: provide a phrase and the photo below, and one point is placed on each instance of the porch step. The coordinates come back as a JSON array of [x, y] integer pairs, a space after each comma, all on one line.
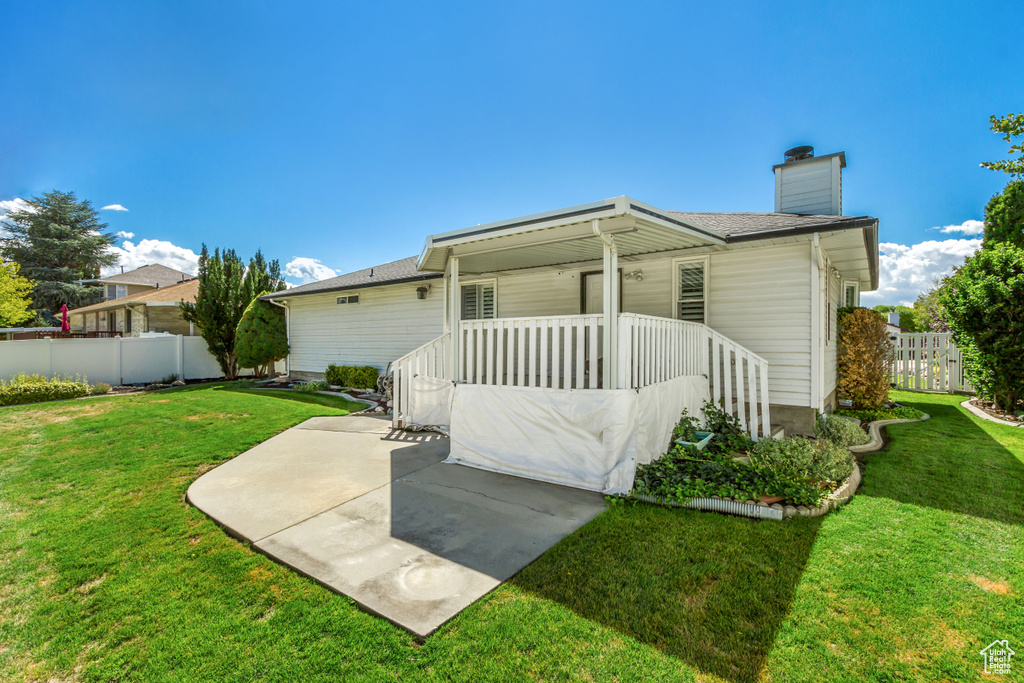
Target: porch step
[[778, 432]]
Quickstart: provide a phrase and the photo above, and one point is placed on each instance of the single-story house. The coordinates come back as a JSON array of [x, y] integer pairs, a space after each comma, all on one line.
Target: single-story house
[[149, 309], [611, 296]]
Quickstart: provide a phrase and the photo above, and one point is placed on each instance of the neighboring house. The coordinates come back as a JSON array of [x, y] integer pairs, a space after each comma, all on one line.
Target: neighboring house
[[150, 309], [141, 279], [745, 303], [892, 324]]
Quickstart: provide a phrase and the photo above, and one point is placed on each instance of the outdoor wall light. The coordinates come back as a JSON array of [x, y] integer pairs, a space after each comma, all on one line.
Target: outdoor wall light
[[421, 292], [637, 275]]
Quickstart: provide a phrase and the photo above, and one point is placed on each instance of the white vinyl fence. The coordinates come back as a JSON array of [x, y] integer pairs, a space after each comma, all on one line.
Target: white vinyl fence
[[928, 361], [116, 360]]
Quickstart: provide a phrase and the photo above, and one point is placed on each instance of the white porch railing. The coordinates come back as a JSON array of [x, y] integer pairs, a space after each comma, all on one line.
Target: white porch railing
[[430, 360], [558, 352], [566, 352]]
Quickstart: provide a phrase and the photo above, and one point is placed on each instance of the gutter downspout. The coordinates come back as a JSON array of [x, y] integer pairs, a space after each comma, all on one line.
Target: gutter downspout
[[816, 351], [611, 303], [287, 334]]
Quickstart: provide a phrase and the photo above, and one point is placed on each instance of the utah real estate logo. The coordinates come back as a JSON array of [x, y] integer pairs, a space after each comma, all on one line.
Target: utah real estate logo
[[997, 657]]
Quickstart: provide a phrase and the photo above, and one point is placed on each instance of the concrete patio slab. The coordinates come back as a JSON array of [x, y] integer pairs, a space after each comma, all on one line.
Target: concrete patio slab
[[375, 515]]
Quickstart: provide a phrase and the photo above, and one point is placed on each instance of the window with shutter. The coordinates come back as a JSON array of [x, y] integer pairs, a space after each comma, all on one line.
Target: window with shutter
[[478, 301], [690, 291]]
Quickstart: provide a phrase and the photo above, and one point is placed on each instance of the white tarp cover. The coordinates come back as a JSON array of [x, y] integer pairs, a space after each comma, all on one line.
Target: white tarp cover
[[430, 402], [658, 409], [584, 438]]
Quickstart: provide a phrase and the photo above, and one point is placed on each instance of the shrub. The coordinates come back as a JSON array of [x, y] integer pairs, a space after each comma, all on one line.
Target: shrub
[[354, 377], [313, 386], [840, 431], [168, 379], [33, 388], [864, 355], [803, 459], [261, 338], [729, 436], [99, 388]]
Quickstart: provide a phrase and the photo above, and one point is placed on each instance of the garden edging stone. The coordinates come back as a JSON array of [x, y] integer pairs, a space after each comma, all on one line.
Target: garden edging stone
[[978, 412]]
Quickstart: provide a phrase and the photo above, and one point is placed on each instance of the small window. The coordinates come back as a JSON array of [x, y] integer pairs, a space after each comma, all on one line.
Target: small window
[[851, 294], [478, 301], [354, 299], [111, 291], [690, 302], [122, 291]]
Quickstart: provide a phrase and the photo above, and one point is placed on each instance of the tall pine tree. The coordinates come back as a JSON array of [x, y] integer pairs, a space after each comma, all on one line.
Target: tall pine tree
[[56, 241]]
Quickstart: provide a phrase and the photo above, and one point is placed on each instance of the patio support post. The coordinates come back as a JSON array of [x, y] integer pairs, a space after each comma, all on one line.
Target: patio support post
[[454, 316], [610, 278]]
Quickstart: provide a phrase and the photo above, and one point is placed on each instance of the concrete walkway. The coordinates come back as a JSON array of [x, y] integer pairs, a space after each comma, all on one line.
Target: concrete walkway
[[374, 514]]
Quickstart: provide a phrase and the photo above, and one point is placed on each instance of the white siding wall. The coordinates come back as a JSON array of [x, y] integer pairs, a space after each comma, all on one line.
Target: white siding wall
[[387, 323], [558, 292], [761, 298], [807, 187]]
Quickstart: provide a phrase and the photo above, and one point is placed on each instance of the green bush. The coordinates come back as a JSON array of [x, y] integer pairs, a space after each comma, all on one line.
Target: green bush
[[313, 386], [354, 377], [261, 338], [840, 431], [99, 388], [33, 388], [803, 459]]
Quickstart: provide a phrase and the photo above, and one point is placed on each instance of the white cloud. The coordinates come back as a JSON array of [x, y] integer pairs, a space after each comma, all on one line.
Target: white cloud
[[967, 228], [148, 252], [113, 207], [9, 205], [308, 269], [125, 235], [906, 271]]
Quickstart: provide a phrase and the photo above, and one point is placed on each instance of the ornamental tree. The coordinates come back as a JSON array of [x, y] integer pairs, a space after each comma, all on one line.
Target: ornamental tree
[[15, 296], [984, 305], [226, 288], [261, 338], [864, 357]]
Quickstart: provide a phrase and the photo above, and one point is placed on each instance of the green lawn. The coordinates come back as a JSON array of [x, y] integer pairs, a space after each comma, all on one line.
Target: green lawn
[[107, 574]]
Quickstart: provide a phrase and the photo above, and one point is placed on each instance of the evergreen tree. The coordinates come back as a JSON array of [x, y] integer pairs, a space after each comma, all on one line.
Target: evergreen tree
[[56, 241], [226, 288], [261, 338], [15, 296]]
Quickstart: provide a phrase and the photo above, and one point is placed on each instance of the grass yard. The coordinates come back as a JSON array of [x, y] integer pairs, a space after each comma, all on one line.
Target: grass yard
[[107, 574]]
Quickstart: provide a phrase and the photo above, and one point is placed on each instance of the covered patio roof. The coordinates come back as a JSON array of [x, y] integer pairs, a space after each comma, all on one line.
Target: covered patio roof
[[565, 236]]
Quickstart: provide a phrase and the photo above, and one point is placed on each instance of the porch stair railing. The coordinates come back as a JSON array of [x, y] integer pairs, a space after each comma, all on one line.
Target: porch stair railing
[[566, 352]]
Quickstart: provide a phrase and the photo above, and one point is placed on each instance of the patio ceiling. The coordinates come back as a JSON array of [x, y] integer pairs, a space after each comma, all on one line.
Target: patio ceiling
[[564, 236]]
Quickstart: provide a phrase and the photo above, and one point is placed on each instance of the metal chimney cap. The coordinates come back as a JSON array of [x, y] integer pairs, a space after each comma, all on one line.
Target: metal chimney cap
[[799, 153]]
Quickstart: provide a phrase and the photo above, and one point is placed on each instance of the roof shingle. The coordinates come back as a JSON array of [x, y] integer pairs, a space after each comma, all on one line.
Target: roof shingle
[[403, 270]]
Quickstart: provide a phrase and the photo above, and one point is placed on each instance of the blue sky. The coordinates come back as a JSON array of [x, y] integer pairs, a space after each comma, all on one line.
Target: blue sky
[[345, 132]]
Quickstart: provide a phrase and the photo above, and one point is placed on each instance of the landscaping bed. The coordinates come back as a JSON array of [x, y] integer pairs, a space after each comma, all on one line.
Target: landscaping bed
[[728, 472], [989, 408]]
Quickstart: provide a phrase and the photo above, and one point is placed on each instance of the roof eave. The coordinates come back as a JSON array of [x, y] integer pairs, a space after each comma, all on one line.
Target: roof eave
[[287, 293]]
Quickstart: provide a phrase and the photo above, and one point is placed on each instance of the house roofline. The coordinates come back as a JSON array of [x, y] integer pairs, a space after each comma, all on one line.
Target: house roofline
[[286, 294]]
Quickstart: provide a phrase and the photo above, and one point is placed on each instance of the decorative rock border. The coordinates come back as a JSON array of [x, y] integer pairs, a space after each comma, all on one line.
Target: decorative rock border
[[978, 412]]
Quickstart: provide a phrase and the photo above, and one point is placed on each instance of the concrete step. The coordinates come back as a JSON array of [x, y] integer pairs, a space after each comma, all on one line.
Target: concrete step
[[778, 432]]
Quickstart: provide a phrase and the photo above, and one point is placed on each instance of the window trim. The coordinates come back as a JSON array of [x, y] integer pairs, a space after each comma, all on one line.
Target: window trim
[[676, 262], [479, 281], [856, 292]]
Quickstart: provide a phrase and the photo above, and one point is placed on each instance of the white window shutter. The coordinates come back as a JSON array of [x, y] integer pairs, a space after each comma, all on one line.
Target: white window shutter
[[690, 297]]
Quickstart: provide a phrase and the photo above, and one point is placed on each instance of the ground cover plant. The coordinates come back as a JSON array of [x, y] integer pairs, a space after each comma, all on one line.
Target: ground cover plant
[[107, 574]]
